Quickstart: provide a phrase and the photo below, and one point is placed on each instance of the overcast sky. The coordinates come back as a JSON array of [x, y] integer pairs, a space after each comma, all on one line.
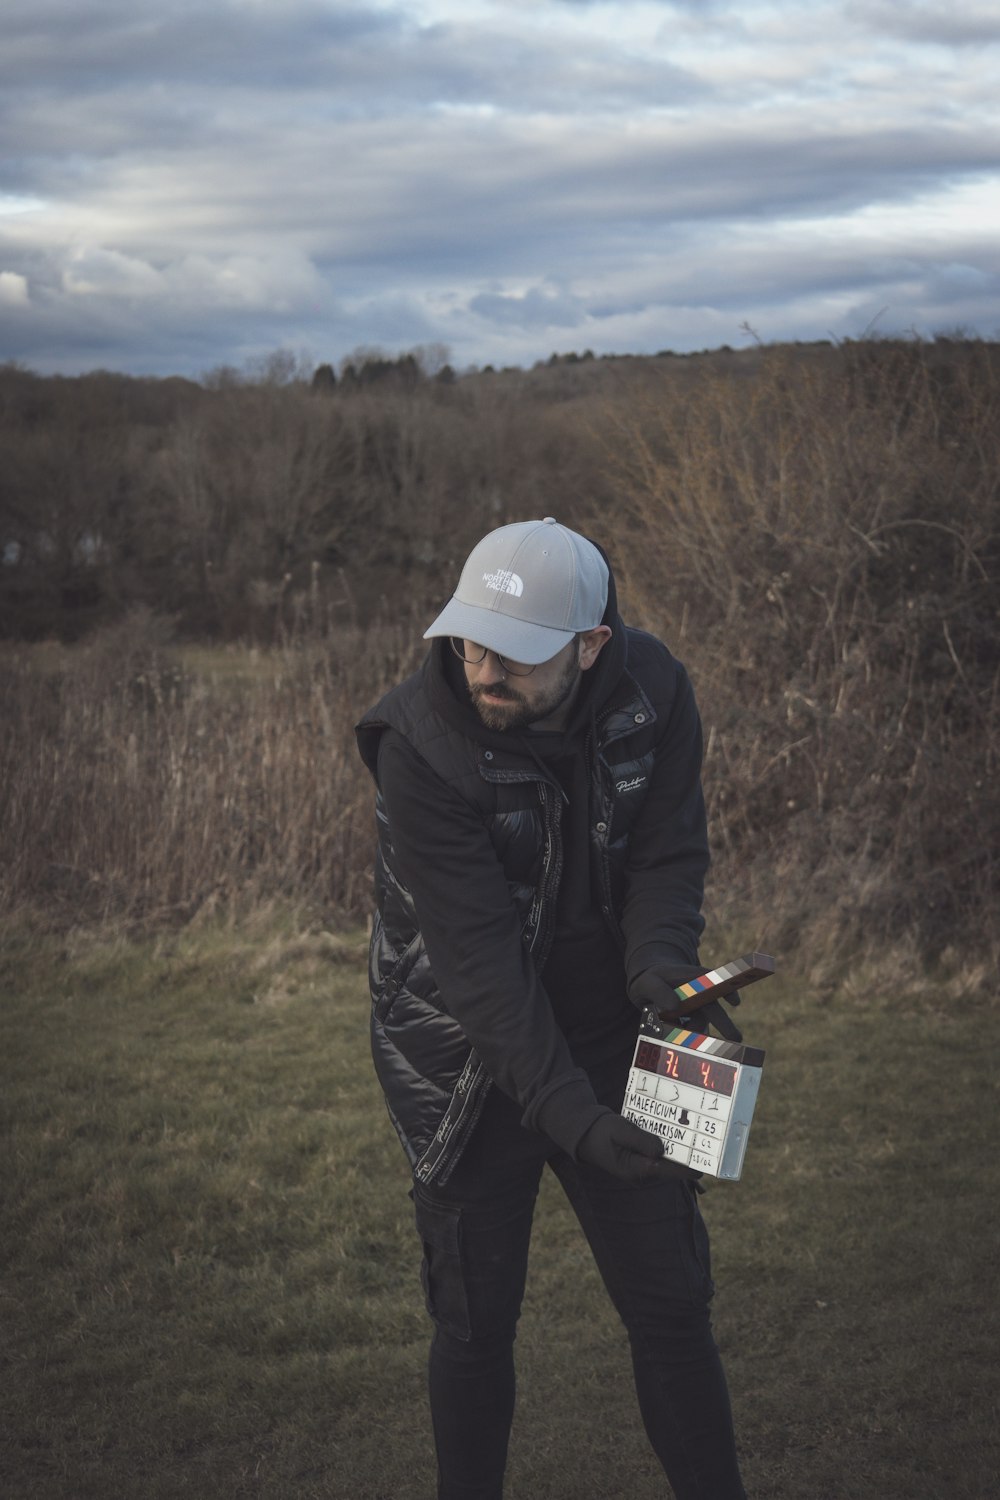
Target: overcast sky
[[185, 185]]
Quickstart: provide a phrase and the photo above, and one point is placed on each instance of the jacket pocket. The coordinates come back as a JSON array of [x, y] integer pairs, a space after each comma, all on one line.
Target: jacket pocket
[[396, 978]]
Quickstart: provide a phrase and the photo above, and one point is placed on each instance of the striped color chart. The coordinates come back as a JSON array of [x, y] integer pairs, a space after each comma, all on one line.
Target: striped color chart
[[732, 976]]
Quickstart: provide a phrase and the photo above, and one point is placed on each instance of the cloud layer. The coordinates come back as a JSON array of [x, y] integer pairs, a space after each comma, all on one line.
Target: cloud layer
[[192, 185]]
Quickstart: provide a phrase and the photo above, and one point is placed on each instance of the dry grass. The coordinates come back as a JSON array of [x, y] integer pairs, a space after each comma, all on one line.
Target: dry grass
[[138, 789], [211, 1281]]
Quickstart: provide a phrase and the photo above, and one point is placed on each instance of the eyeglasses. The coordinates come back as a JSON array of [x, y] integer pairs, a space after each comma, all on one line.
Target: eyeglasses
[[473, 653]]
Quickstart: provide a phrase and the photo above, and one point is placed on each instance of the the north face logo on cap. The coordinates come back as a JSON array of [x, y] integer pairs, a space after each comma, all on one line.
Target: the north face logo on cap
[[504, 582]]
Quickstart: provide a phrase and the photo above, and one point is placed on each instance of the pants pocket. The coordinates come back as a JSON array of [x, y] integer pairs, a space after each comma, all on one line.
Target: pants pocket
[[440, 1228]]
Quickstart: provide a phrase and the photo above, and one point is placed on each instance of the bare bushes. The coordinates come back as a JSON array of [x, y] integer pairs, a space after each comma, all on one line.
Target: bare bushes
[[821, 547], [132, 788], [240, 509], [815, 533]]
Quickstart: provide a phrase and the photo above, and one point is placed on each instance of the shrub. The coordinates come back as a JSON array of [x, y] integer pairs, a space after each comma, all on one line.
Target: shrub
[[821, 546]]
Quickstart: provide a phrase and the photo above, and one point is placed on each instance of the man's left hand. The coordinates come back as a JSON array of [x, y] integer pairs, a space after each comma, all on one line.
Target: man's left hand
[[657, 986]]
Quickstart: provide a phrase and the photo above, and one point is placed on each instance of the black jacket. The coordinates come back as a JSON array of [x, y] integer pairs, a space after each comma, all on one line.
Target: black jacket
[[471, 837]]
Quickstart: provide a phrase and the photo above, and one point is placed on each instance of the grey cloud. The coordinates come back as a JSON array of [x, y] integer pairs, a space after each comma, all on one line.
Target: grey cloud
[[344, 62], [946, 25], [185, 318], [540, 307], [61, 44], [593, 199], [381, 191], [695, 7]]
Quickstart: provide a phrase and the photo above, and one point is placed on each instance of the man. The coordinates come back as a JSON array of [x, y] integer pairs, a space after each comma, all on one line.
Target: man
[[542, 852]]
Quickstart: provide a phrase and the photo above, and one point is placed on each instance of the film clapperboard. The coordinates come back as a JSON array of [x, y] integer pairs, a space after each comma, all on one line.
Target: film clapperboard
[[696, 1092]]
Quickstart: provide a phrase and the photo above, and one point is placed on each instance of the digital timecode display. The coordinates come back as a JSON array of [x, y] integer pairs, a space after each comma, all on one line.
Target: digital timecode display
[[686, 1067]]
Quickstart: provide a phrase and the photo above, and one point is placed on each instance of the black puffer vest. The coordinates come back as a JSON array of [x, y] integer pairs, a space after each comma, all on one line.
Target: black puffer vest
[[434, 1083]]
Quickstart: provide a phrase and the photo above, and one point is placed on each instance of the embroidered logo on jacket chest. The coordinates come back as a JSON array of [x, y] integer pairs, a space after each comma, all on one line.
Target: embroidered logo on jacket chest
[[631, 785]]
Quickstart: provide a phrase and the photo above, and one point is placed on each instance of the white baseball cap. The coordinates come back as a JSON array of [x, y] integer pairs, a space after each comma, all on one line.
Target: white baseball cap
[[526, 590]]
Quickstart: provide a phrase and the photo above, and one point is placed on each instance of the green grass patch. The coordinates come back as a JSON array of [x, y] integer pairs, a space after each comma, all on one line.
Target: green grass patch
[[211, 1275]]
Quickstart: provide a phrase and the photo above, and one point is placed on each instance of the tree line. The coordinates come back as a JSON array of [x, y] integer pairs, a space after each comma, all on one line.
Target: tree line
[[247, 502]]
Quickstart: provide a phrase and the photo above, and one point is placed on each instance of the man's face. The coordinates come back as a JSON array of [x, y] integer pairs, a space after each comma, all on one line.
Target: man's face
[[543, 698]]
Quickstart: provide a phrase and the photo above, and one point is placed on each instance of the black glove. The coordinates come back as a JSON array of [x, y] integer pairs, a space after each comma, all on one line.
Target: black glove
[[656, 987], [617, 1146]]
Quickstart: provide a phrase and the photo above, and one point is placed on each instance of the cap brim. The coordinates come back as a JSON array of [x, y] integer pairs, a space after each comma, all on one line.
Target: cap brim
[[518, 640]]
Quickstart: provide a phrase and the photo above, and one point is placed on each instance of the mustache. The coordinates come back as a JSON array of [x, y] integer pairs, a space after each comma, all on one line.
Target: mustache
[[496, 690]]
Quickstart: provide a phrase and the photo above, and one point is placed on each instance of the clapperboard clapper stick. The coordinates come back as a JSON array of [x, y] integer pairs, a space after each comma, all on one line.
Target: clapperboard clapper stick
[[717, 983]]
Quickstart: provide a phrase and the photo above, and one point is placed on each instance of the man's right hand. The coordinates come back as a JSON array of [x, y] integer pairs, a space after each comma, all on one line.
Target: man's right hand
[[626, 1151], [656, 987]]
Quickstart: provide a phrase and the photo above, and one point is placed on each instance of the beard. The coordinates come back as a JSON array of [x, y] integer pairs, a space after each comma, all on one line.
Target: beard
[[517, 711]]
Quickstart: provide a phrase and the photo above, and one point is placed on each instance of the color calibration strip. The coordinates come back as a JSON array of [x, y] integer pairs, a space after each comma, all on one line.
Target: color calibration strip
[[732, 976]]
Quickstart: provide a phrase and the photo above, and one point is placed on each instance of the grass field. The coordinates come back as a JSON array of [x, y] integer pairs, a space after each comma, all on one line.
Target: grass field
[[210, 1287]]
